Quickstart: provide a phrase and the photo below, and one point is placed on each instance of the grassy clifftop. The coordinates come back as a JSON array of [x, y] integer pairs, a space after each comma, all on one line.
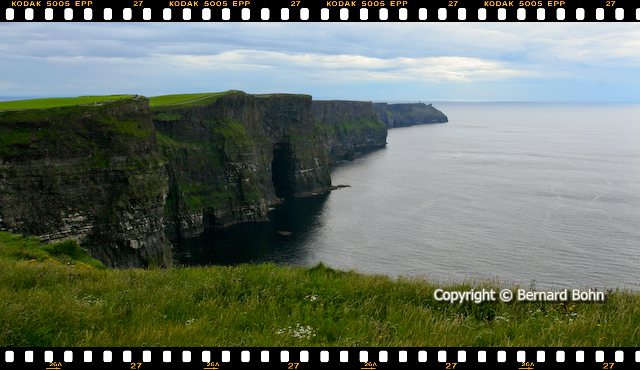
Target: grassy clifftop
[[47, 103], [188, 100], [55, 300]]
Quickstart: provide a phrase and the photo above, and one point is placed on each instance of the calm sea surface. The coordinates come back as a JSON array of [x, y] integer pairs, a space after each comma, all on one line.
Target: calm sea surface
[[522, 193]]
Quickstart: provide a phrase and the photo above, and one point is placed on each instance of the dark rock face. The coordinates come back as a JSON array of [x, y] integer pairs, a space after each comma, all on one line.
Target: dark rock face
[[351, 127], [230, 159], [89, 173], [399, 115], [120, 178]]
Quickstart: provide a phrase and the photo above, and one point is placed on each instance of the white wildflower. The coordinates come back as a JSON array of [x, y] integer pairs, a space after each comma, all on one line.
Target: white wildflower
[[299, 331], [91, 299], [191, 321]]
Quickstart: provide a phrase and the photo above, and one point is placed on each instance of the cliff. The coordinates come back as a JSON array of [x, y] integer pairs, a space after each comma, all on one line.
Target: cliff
[[91, 173], [232, 155], [121, 176], [351, 127], [399, 115]]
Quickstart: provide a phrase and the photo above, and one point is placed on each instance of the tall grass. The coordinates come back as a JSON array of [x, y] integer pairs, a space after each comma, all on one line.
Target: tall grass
[[56, 300]]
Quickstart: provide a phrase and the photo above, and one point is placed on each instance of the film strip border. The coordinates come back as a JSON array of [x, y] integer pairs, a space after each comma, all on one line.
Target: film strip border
[[319, 10], [320, 358]]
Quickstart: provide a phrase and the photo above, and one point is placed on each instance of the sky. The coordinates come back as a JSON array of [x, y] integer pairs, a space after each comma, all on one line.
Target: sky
[[586, 62]]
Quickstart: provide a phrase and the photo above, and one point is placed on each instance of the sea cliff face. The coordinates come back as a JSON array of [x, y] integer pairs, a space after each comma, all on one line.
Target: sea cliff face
[[352, 127], [233, 156], [90, 173], [122, 178], [399, 115]]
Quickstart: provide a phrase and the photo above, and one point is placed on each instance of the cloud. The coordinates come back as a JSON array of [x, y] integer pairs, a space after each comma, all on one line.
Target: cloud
[[589, 44], [355, 67], [474, 60], [608, 50]]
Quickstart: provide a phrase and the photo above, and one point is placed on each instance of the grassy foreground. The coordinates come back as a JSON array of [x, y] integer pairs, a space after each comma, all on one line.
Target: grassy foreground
[[55, 295]]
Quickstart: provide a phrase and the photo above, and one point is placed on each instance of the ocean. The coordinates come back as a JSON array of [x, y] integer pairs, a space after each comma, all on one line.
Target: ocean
[[533, 194]]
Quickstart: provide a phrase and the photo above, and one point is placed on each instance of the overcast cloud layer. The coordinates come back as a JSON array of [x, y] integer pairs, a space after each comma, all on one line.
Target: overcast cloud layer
[[382, 61]]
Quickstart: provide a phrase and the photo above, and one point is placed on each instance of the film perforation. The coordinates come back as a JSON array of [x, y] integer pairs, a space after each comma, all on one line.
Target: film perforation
[[384, 14], [403, 14], [237, 357], [560, 14], [462, 356], [363, 14], [560, 356], [551, 11], [502, 14], [226, 14], [206, 14], [482, 14], [284, 14]]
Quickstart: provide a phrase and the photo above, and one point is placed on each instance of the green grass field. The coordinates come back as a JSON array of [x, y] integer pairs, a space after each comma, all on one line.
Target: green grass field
[[186, 100], [180, 100], [53, 295], [47, 103]]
